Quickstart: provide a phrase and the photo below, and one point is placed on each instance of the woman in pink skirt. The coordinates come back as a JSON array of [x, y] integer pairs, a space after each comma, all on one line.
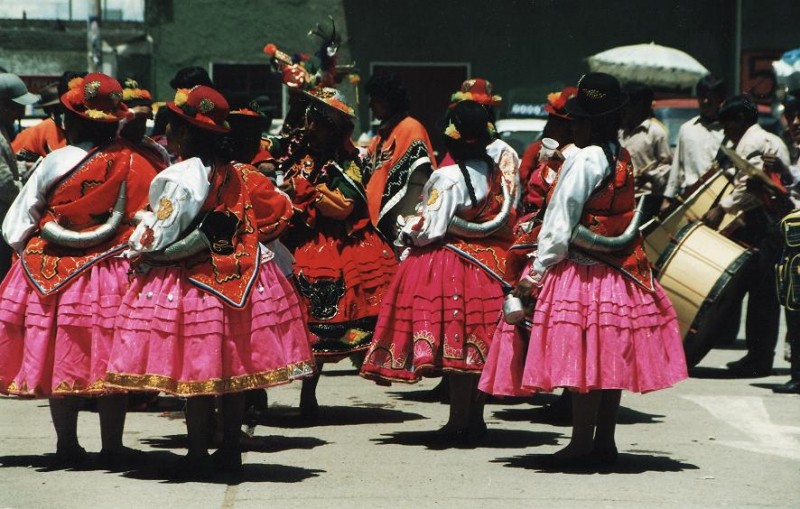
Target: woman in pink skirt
[[69, 225], [440, 312], [205, 315], [601, 323]]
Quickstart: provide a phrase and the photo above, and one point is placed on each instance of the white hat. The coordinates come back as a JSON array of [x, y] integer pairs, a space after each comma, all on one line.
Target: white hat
[[12, 87]]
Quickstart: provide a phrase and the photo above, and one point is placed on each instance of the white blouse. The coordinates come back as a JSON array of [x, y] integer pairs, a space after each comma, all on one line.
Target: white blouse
[[582, 172], [176, 196], [26, 211], [444, 195]]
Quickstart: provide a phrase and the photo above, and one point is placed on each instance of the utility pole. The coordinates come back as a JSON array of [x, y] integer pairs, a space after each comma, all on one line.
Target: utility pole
[[94, 44]]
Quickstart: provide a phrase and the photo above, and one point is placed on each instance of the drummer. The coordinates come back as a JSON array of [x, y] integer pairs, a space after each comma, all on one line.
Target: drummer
[[646, 140], [761, 215], [698, 140]]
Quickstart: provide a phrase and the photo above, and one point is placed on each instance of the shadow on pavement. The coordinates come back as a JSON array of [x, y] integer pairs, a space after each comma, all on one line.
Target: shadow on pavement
[[257, 443], [726, 374], [289, 417], [494, 439], [627, 463], [545, 415], [251, 473], [162, 466]]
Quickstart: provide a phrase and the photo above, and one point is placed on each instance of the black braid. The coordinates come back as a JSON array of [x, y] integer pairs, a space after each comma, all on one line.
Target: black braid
[[470, 188]]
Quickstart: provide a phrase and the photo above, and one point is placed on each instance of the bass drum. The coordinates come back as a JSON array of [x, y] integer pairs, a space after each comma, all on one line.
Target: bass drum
[[701, 272]]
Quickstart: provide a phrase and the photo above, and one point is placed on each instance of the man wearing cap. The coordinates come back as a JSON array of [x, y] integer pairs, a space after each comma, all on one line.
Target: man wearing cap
[[760, 210], [14, 96], [698, 140], [399, 159], [48, 135]]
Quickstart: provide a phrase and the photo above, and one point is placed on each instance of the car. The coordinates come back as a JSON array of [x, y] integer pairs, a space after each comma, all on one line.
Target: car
[[520, 132], [675, 112]]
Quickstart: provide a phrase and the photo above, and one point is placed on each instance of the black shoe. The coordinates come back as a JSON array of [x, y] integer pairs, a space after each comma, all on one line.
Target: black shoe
[[71, 456], [748, 368], [227, 460], [790, 387], [606, 456], [121, 458]]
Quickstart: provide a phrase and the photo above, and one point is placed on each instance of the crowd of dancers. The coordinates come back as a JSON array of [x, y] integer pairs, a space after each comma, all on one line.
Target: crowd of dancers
[[215, 263]]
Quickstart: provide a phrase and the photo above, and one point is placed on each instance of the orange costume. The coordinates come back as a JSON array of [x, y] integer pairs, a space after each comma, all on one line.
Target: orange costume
[[401, 147], [39, 140]]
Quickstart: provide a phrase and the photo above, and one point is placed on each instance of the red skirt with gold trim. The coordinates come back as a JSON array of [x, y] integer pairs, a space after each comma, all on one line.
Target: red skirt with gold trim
[[438, 315]]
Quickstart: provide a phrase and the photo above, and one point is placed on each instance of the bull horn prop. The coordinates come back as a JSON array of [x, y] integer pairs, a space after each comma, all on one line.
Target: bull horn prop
[[469, 230], [585, 238], [56, 234]]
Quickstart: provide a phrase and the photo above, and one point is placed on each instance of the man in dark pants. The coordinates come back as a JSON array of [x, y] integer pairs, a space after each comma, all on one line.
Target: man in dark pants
[[791, 113], [761, 214]]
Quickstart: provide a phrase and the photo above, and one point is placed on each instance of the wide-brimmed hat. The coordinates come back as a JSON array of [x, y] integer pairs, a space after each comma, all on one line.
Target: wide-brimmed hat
[[557, 101], [134, 95], [96, 97], [598, 94], [12, 87], [202, 107], [478, 90], [332, 98], [48, 96]]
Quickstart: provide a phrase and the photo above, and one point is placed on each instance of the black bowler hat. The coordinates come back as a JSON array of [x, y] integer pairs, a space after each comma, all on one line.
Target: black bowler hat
[[598, 94]]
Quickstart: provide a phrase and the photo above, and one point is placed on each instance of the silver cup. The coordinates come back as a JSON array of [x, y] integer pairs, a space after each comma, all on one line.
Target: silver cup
[[513, 310]]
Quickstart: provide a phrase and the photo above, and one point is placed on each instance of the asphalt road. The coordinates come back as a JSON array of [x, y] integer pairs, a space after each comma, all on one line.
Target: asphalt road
[[711, 441]]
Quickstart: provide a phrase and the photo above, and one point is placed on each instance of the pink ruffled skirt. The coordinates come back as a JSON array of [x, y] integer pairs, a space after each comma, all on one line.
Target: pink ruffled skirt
[[59, 344], [438, 314], [594, 328], [171, 336]]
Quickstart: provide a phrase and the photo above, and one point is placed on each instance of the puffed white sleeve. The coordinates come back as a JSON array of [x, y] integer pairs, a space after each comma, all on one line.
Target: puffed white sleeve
[[23, 216], [581, 174], [441, 198], [176, 195]]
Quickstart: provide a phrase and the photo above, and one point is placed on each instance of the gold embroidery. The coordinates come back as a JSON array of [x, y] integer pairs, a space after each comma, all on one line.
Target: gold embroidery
[[164, 209], [594, 94], [433, 197], [212, 387]]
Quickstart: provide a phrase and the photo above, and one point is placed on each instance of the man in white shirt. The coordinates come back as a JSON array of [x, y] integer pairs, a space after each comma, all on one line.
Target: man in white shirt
[[646, 140], [698, 139], [761, 213]]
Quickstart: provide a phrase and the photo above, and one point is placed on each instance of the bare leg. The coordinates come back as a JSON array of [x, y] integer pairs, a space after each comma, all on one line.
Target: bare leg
[[584, 417], [607, 421], [309, 408], [198, 417], [64, 412], [112, 421]]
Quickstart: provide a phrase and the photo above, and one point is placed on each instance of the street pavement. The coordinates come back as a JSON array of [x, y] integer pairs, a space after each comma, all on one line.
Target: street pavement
[[711, 441]]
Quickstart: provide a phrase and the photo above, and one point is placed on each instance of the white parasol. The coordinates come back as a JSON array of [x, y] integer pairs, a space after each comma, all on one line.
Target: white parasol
[[787, 70], [652, 64]]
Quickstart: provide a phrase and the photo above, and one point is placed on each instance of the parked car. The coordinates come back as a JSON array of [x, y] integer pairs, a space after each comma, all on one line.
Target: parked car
[[520, 132], [675, 112]]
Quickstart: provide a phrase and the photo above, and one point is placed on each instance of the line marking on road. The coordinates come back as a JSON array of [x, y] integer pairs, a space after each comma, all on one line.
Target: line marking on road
[[749, 415]]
